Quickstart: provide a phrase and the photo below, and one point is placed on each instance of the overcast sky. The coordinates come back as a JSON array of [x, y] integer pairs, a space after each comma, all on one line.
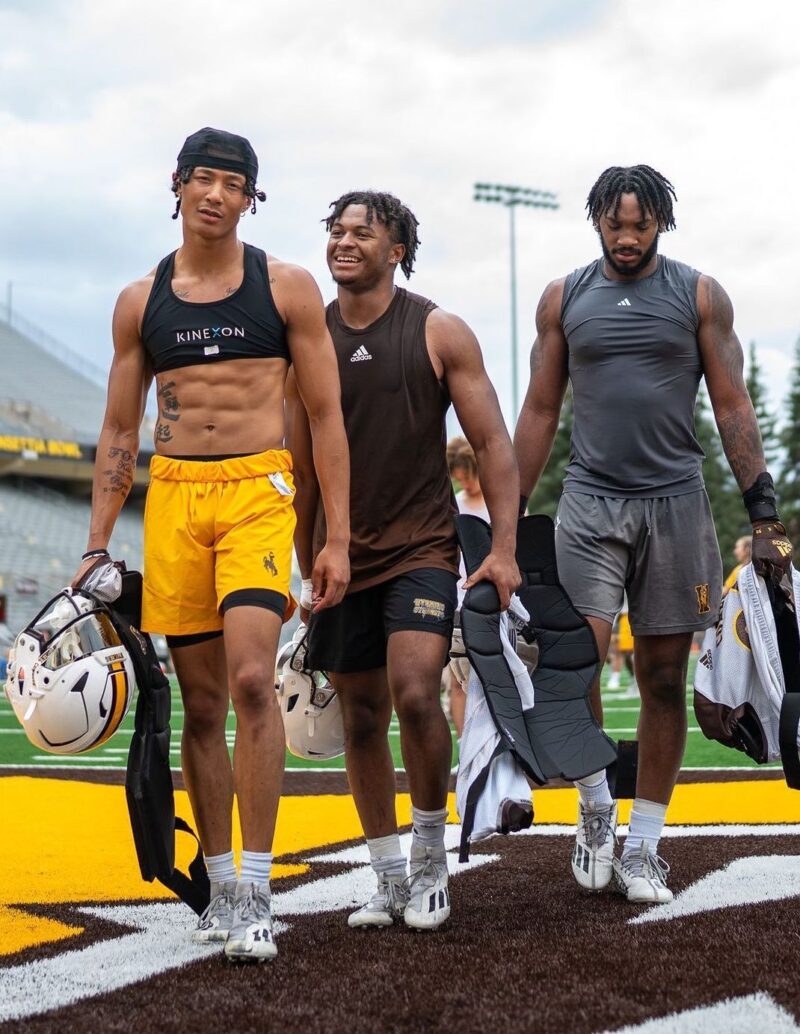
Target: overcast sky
[[422, 98]]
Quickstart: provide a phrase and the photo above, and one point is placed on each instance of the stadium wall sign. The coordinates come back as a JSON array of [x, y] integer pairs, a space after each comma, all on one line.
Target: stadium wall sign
[[41, 446]]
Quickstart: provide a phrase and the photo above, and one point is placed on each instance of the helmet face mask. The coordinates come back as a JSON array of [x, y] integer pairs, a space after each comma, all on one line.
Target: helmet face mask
[[70, 679], [311, 711]]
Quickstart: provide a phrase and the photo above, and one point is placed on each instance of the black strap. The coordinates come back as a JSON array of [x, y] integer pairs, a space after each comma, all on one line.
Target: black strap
[[622, 772], [194, 889], [787, 739]]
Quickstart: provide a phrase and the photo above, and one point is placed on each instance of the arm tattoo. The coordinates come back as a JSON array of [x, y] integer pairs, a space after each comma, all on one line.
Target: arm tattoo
[[168, 402], [120, 476], [741, 440], [725, 342], [738, 428]]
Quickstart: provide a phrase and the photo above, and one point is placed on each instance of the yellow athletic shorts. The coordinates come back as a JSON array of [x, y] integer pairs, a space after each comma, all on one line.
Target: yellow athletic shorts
[[624, 636], [217, 533]]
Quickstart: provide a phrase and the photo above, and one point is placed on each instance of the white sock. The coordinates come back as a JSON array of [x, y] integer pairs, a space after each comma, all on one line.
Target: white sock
[[386, 856], [647, 823], [594, 790], [613, 680], [429, 827], [255, 867], [221, 869]]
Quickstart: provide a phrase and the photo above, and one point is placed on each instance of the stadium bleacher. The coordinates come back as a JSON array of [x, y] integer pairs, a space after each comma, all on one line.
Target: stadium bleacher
[[44, 488]]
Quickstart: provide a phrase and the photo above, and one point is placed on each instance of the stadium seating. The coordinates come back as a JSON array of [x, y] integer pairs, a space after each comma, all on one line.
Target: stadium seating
[[42, 535]]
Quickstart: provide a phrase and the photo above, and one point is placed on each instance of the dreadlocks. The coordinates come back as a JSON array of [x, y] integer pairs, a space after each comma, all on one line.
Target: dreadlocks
[[183, 174], [653, 191], [399, 220]]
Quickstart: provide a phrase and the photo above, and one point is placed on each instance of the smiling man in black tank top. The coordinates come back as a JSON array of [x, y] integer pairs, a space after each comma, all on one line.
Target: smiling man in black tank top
[[401, 362], [634, 332], [218, 323]]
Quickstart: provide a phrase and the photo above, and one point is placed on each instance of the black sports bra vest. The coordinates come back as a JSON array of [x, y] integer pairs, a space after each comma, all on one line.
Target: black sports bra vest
[[245, 325]]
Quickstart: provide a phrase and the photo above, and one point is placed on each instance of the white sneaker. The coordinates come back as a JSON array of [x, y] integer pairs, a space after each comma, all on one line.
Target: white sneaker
[[642, 877], [631, 693], [386, 904], [593, 853], [215, 923], [251, 938], [428, 895]]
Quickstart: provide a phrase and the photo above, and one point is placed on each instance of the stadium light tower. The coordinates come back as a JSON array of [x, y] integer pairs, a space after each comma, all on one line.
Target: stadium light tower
[[512, 197]]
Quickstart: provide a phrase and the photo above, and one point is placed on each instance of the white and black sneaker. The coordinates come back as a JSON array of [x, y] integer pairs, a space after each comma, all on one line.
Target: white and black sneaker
[[642, 877], [593, 854], [386, 904], [428, 894], [251, 938], [215, 923]]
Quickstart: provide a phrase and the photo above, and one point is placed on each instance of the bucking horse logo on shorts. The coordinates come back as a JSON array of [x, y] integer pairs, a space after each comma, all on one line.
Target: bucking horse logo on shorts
[[271, 566]]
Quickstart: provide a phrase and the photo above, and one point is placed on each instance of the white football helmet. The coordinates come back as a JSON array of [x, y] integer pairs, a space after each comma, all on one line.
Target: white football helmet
[[70, 680], [312, 714]]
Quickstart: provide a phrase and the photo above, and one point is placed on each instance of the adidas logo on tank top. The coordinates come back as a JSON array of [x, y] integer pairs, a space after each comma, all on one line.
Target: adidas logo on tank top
[[624, 301], [360, 355]]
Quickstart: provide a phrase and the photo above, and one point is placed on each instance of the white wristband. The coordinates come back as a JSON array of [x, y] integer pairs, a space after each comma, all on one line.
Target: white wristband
[[306, 594]]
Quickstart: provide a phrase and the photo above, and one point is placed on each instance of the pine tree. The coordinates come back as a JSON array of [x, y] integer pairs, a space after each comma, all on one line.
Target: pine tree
[[789, 439], [767, 420], [730, 516], [548, 490]]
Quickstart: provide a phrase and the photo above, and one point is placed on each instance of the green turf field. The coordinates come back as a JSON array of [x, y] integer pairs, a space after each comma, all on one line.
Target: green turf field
[[621, 715]]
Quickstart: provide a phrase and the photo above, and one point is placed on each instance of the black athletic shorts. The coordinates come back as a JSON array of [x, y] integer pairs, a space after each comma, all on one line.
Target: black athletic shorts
[[352, 636]]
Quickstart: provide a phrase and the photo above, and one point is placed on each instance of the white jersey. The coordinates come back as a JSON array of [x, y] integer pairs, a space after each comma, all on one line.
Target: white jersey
[[739, 676]]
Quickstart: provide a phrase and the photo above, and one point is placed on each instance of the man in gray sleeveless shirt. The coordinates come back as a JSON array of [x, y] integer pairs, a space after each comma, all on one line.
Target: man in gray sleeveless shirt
[[633, 333]]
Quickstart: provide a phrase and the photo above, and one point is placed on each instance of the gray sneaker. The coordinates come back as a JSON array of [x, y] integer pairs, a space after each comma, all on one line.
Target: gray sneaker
[[593, 852], [215, 922], [386, 904], [251, 938], [428, 895], [642, 877]]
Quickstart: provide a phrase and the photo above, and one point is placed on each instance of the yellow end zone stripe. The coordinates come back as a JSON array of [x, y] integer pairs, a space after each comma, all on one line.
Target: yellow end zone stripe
[[69, 841]]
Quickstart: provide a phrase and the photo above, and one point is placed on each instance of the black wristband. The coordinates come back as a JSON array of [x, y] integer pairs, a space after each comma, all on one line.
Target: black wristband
[[759, 499], [523, 505], [94, 553]]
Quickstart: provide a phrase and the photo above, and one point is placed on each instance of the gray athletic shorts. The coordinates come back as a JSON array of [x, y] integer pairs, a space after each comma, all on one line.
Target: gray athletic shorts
[[662, 552]]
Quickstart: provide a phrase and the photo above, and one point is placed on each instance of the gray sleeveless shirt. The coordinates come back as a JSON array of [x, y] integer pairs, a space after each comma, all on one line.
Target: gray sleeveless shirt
[[635, 366]]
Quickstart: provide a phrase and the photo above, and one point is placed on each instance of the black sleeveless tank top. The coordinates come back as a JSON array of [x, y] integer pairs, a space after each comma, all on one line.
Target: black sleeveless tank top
[[401, 499], [246, 325]]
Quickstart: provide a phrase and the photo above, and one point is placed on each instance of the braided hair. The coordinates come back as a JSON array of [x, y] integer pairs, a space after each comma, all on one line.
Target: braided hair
[[183, 175], [653, 191], [400, 221]]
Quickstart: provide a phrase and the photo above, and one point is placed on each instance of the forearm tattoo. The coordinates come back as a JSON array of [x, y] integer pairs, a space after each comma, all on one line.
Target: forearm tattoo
[[120, 474], [169, 410], [738, 427], [741, 440]]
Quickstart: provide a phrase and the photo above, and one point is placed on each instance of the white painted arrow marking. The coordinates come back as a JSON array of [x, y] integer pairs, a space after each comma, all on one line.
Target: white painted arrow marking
[[745, 881], [733, 1016]]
